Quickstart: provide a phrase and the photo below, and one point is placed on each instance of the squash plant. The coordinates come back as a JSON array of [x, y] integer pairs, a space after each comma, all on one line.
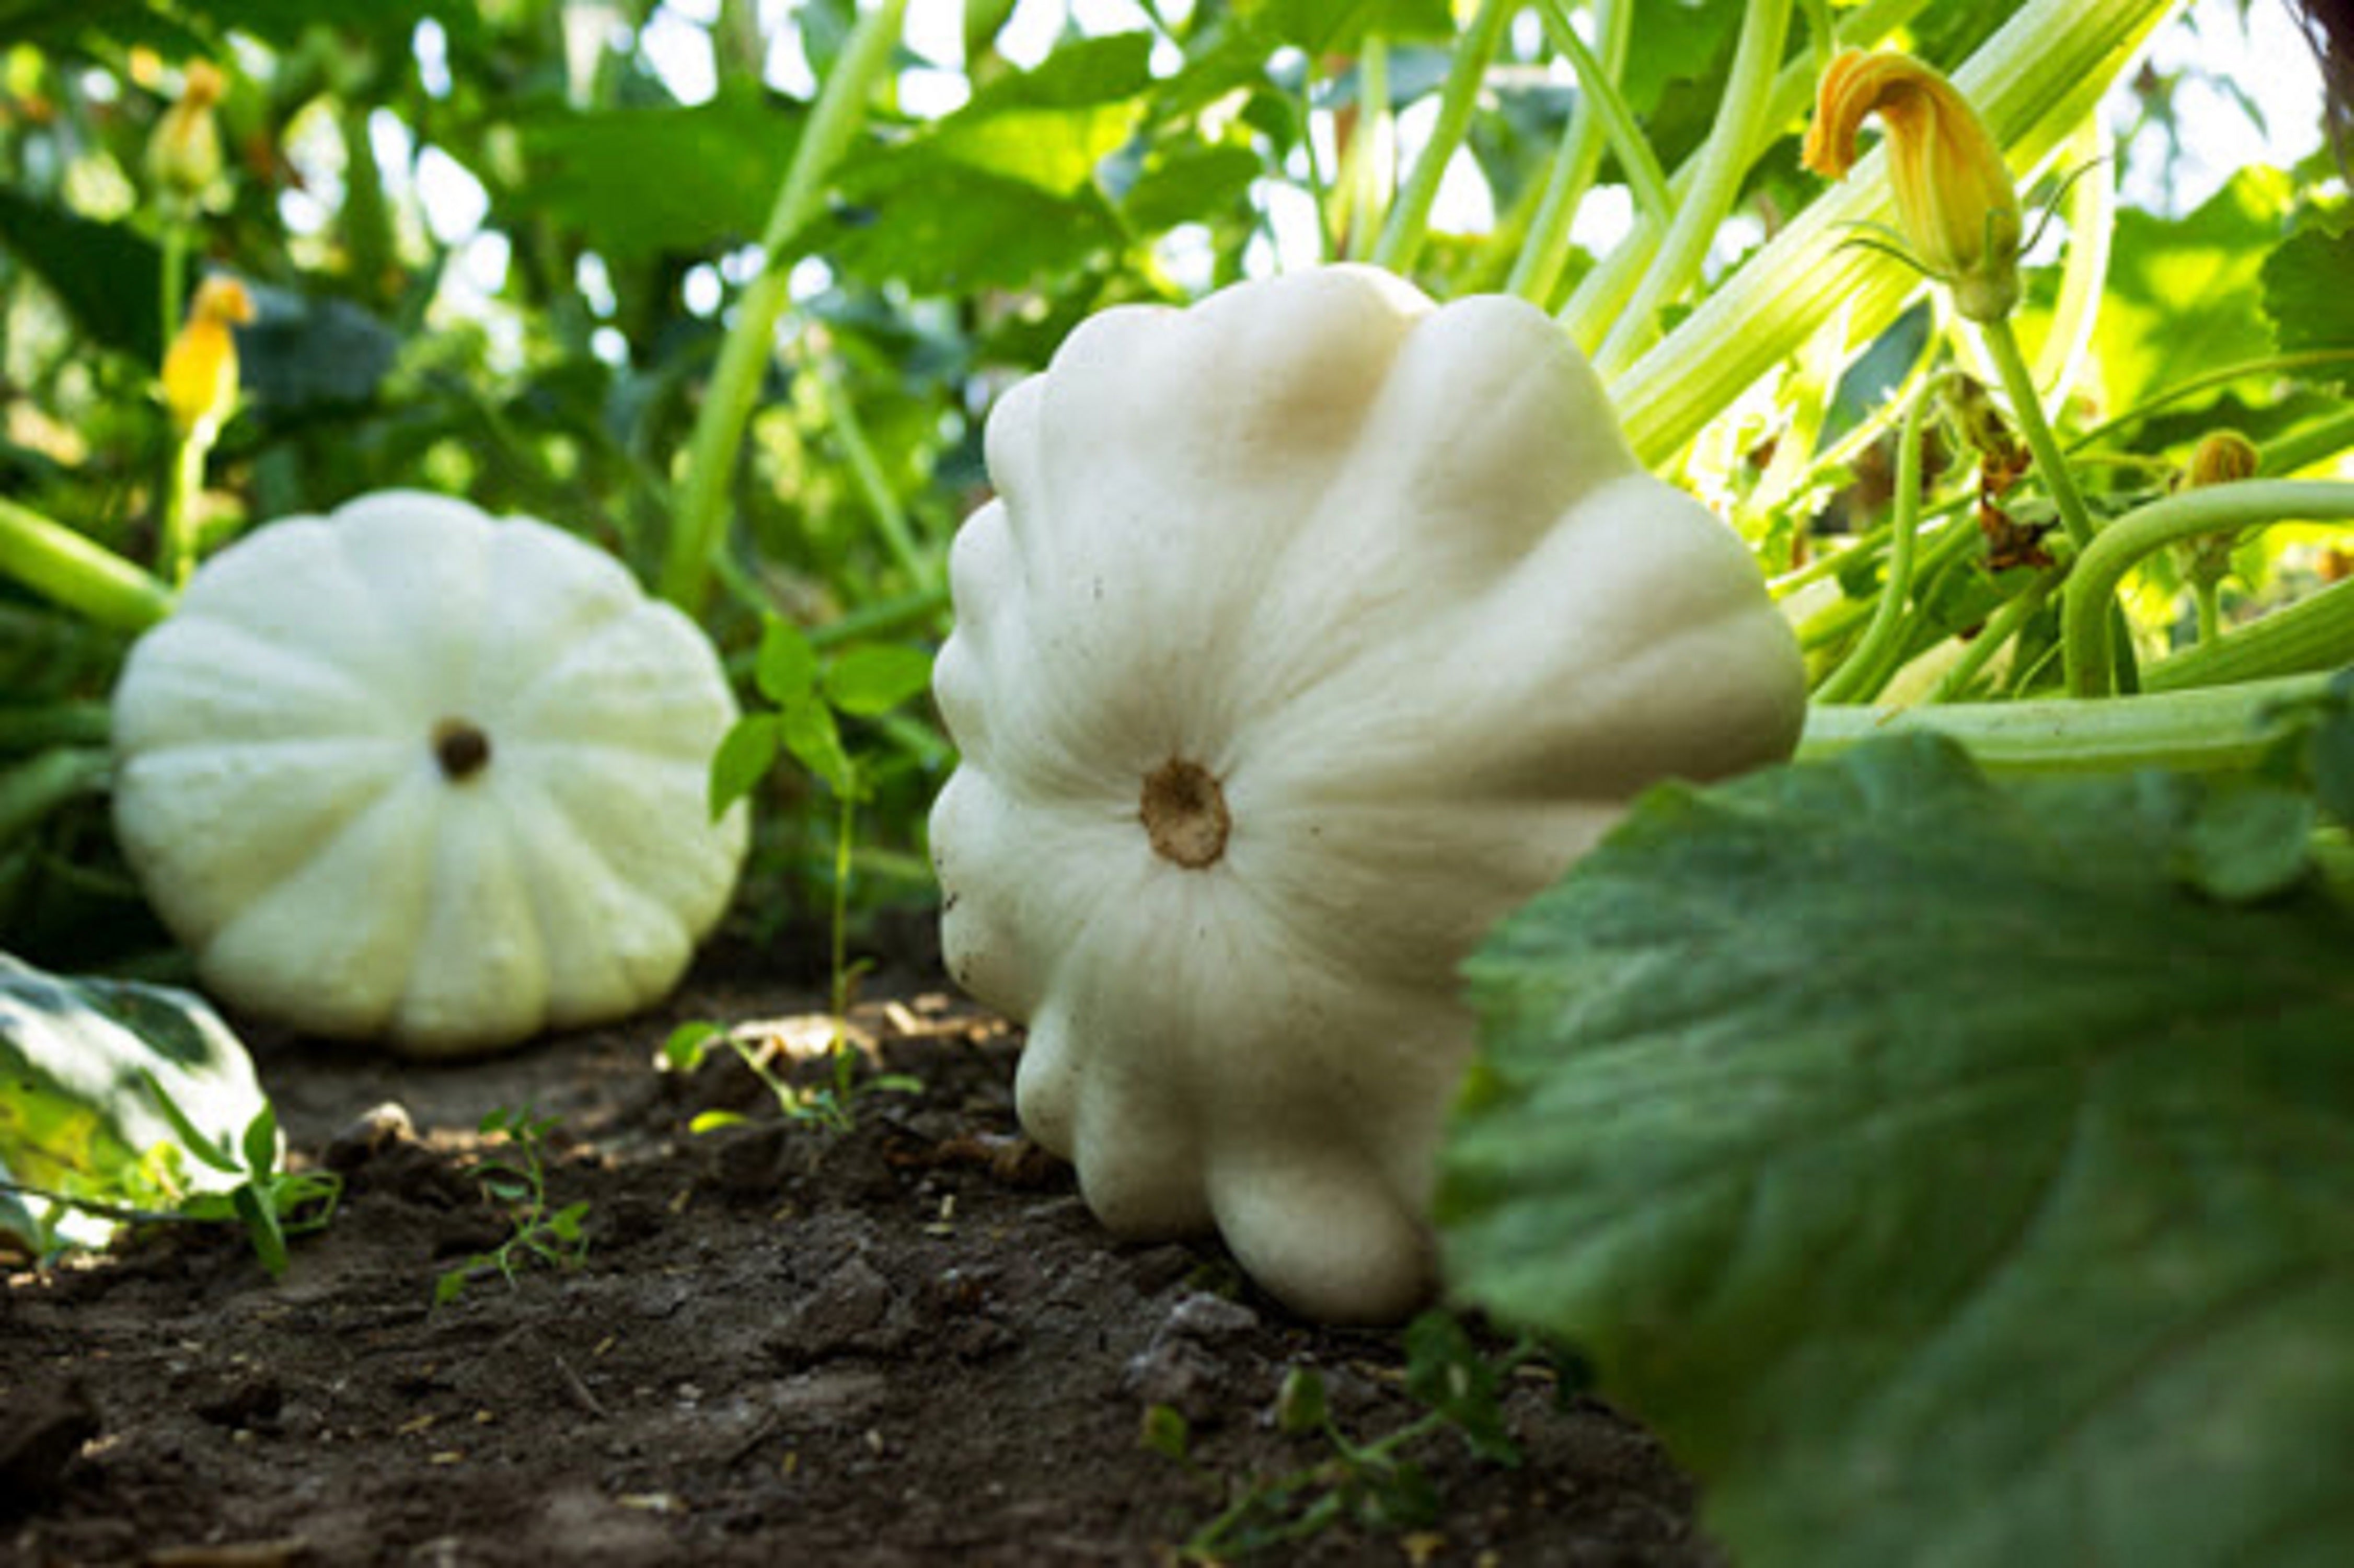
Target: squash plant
[[1991, 525]]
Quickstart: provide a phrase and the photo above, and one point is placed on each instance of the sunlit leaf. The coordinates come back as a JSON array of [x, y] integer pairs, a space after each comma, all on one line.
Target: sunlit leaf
[[876, 678], [2307, 295], [2183, 296]]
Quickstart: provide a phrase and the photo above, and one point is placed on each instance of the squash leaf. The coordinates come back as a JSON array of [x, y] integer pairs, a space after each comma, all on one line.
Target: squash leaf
[[1947, 1173], [2183, 293], [2305, 294], [80, 1061]]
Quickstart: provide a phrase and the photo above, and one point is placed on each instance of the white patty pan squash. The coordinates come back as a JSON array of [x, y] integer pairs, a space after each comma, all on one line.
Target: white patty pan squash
[[1313, 629], [410, 773]]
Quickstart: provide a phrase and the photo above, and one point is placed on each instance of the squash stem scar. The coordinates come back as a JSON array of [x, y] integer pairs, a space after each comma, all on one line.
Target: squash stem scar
[[461, 750], [1184, 814]]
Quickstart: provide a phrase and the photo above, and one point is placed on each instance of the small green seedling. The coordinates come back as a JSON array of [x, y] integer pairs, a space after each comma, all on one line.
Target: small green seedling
[[830, 1105], [814, 692], [519, 1185], [1372, 1485], [271, 1204]]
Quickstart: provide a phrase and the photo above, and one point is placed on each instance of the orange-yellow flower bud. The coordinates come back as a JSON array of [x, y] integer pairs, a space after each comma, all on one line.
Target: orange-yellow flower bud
[[200, 372], [1955, 200], [184, 153]]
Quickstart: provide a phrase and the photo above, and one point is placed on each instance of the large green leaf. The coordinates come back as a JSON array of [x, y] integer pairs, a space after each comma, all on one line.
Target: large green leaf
[[76, 1115], [2306, 292], [1950, 1181], [2183, 296], [641, 182], [939, 226]]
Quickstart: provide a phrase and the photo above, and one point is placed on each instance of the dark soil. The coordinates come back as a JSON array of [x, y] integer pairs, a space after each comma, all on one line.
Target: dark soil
[[907, 1342]]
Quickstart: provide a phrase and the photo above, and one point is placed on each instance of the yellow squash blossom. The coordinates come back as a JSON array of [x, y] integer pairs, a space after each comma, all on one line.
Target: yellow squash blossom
[[1955, 200], [200, 375]]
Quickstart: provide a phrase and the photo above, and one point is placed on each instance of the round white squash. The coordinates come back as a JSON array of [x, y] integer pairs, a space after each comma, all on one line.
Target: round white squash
[[1313, 630], [409, 772]]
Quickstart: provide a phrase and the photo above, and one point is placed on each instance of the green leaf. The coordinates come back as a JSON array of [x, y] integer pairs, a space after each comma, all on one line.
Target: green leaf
[[1188, 182], [76, 1116], [108, 277], [1166, 1432], [1051, 126], [689, 1043], [746, 754], [786, 669], [261, 1144], [2182, 296], [1443, 1371], [937, 225], [1300, 1404], [2249, 841], [1949, 1181], [815, 740], [636, 183], [2332, 757], [875, 679], [1327, 26], [2304, 291]]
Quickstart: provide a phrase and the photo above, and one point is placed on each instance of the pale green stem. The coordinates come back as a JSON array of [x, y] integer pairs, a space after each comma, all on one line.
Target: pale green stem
[[177, 543], [1603, 291], [2052, 465], [2027, 409], [1724, 163], [2207, 593], [846, 823], [2269, 365], [850, 432], [2314, 633], [1995, 636], [33, 788], [80, 573], [1861, 675], [2222, 728], [1365, 169], [2318, 442], [701, 522], [2032, 83], [2092, 224], [1544, 249], [25, 728], [1598, 80], [916, 612], [1409, 220], [2211, 509], [171, 300], [1320, 188]]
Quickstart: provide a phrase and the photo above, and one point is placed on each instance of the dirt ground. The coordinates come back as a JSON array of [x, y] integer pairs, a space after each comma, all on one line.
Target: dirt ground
[[903, 1343]]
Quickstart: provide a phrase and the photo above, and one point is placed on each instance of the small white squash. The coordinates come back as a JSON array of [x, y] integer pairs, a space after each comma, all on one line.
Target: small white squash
[[408, 772], [1314, 629]]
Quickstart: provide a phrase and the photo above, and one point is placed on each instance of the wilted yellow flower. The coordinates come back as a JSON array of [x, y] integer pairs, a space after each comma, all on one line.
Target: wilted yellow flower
[[200, 374], [1954, 199], [184, 154]]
